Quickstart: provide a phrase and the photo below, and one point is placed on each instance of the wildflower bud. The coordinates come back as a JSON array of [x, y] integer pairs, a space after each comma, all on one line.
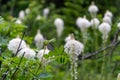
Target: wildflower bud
[[59, 24], [21, 15], [95, 23], [109, 14], [83, 23], [107, 19], [73, 47], [93, 9], [39, 39], [104, 28], [46, 12]]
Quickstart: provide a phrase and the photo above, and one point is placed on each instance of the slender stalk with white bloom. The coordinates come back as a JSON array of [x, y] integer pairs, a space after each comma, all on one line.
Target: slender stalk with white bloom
[[46, 12], [39, 40], [93, 9], [73, 48], [21, 15], [83, 24], [104, 28], [59, 24]]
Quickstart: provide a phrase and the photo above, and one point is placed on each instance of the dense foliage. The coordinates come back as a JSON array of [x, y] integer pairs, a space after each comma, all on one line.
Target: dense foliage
[[98, 61]]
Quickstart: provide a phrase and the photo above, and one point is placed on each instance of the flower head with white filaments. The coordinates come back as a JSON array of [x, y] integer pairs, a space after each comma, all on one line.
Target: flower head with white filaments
[[93, 9], [14, 44], [107, 19], [118, 25], [95, 23], [42, 52], [109, 14], [18, 21], [73, 48], [39, 40], [68, 38], [104, 28], [59, 24], [46, 12], [28, 53], [73, 45], [21, 15], [83, 23]]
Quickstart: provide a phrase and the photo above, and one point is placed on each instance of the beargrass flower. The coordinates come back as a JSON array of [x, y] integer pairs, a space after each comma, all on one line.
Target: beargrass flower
[[118, 25], [83, 24], [21, 15], [27, 11], [68, 38], [104, 28], [93, 9], [38, 17], [39, 40], [73, 46], [46, 12], [18, 21], [28, 53], [42, 52], [95, 23], [107, 19], [109, 14], [14, 44], [59, 24]]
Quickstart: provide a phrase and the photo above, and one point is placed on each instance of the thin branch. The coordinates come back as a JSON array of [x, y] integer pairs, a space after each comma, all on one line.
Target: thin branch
[[113, 45], [18, 49], [17, 66]]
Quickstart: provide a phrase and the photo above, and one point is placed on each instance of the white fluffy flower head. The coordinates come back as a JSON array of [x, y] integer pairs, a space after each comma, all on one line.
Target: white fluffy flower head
[[14, 44], [109, 14], [73, 47], [18, 21], [83, 23], [28, 53], [68, 38], [39, 40], [107, 19], [21, 14], [27, 11], [95, 22], [104, 28], [118, 25], [38, 17], [46, 12], [59, 24], [42, 52], [93, 9]]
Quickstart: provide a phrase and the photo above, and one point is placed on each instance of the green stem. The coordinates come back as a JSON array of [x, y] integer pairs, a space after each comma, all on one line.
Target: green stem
[[103, 69]]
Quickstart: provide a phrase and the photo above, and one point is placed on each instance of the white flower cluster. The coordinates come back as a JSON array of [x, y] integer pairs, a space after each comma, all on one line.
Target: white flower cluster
[[46, 12], [95, 23], [39, 40], [42, 52], [105, 28], [83, 24], [73, 47], [28, 53], [21, 15], [14, 44], [59, 24], [93, 9]]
